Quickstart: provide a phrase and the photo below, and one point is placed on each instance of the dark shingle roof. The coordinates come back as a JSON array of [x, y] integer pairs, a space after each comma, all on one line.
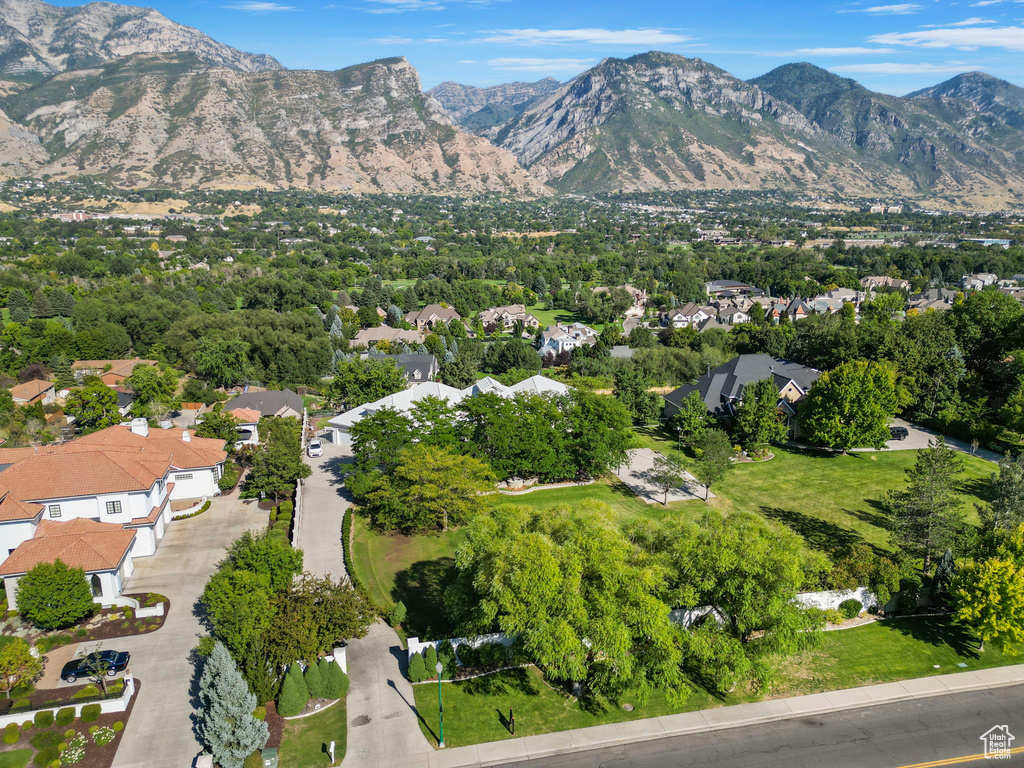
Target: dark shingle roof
[[726, 382], [268, 403]]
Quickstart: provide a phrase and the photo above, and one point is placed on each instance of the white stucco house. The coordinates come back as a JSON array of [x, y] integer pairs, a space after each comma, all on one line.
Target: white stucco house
[[118, 480]]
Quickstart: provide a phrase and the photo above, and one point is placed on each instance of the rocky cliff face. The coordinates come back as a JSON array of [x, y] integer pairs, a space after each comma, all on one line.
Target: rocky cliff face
[[461, 101], [173, 120], [660, 121], [37, 38]]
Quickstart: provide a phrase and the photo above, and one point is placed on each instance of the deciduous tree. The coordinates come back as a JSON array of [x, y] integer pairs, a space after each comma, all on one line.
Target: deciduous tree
[[54, 596], [358, 381], [17, 666], [852, 406], [758, 418], [668, 473], [94, 406], [714, 457]]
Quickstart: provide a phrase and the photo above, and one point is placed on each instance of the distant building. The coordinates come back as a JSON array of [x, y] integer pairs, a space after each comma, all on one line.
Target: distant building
[[505, 318], [35, 391], [370, 337], [284, 403], [978, 281], [432, 314], [875, 282], [417, 368], [565, 338], [111, 372]]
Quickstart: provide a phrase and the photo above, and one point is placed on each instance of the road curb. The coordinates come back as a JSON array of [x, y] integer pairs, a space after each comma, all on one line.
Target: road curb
[[706, 720]]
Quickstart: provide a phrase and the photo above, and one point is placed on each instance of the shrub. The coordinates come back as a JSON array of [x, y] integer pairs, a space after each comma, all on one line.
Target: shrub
[[43, 718], [47, 644], [90, 713], [467, 655], [850, 608], [417, 669], [12, 733], [70, 733], [294, 696], [118, 726], [492, 655], [286, 508], [910, 588], [75, 750], [45, 739], [53, 596], [446, 655], [27, 725], [397, 614], [833, 616], [260, 713], [103, 736], [314, 682], [335, 680], [430, 659], [81, 632], [46, 756]]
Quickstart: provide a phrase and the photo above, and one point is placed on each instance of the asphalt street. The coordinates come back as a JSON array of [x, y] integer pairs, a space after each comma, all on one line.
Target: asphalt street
[[925, 733]]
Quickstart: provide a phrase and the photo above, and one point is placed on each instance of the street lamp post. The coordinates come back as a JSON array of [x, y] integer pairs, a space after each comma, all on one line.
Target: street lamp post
[[440, 704], [679, 443]]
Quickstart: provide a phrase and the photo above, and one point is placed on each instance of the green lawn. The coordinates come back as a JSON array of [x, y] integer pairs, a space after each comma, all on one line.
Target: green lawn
[[17, 758], [559, 316], [477, 710], [304, 743], [832, 501]]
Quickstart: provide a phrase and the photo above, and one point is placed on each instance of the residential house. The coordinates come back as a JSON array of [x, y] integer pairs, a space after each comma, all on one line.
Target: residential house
[[722, 388], [939, 299], [733, 316], [687, 315], [797, 309], [978, 280], [370, 337], [432, 314], [111, 372], [340, 426], [874, 282], [248, 426], [565, 338], [638, 295], [729, 288], [505, 318], [284, 403], [417, 368], [35, 391], [99, 501]]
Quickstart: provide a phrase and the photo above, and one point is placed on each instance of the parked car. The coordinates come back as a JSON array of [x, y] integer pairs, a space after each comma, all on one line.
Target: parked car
[[87, 666], [899, 433], [315, 448]]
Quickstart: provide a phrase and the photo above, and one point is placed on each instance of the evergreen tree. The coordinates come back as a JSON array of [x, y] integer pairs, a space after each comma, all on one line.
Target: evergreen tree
[[417, 669], [758, 417], [335, 680], [41, 304], [1006, 511], [928, 514], [64, 377], [61, 302], [945, 570], [430, 659], [294, 695], [19, 302], [314, 682], [226, 723]]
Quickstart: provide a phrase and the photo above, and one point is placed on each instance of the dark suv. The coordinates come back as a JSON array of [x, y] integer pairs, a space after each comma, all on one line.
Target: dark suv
[[87, 666], [899, 433]]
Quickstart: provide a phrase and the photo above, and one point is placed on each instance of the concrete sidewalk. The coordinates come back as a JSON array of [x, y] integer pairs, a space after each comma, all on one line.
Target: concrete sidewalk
[[601, 736]]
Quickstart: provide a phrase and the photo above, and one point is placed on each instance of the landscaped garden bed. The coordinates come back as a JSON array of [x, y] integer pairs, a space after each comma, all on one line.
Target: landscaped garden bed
[[105, 624], [89, 741]]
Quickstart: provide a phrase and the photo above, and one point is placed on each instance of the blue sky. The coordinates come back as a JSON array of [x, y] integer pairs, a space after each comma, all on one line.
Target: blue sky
[[888, 46]]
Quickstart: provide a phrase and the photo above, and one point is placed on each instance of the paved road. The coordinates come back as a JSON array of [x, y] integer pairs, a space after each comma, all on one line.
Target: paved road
[[886, 736], [323, 508], [919, 437], [159, 734]]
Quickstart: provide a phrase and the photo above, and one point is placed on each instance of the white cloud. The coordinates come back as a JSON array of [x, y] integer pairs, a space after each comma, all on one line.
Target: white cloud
[[541, 65], [401, 6], [854, 51], [393, 40], [983, 3], [260, 7], [971, 22], [583, 36], [890, 68], [1008, 38], [900, 9]]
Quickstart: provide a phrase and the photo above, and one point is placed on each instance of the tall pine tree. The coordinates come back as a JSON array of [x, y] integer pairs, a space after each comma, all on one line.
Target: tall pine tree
[[226, 723]]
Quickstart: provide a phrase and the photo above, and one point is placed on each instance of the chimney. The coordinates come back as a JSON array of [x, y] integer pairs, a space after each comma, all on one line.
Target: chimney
[[185, 436], [140, 427]]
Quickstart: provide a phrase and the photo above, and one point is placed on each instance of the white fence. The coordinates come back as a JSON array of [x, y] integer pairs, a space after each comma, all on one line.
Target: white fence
[[417, 646], [119, 704], [145, 613], [830, 601]]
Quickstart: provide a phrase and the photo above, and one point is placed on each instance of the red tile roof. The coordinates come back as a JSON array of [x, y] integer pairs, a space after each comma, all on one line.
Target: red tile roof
[[196, 452], [79, 472], [79, 543]]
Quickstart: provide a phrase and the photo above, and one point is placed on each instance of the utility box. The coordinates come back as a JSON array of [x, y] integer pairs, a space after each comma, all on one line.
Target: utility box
[[269, 755]]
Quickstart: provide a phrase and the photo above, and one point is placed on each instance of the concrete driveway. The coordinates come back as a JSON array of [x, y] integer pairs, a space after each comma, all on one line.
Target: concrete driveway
[[636, 474], [318, 531], [919, 437], [160, 734]]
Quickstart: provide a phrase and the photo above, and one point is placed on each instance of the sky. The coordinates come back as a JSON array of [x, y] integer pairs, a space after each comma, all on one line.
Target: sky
[[893, 47]]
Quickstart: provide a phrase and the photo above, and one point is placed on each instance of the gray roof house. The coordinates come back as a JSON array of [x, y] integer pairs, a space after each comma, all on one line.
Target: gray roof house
[[417, 368], [271, 402], [722, 388]]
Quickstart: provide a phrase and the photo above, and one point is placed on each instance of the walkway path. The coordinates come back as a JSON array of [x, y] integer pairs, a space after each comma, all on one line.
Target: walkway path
[[383, 726], [159, 734], [636, 474], [323, 509], [603, 736]]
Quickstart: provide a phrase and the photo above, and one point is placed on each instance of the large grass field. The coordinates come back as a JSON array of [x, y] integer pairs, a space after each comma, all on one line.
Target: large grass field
[[304, 743], [559, 316], [476, 710]]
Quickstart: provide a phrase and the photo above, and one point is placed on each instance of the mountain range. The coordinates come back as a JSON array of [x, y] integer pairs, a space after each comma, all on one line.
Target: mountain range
[[128, 96]]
